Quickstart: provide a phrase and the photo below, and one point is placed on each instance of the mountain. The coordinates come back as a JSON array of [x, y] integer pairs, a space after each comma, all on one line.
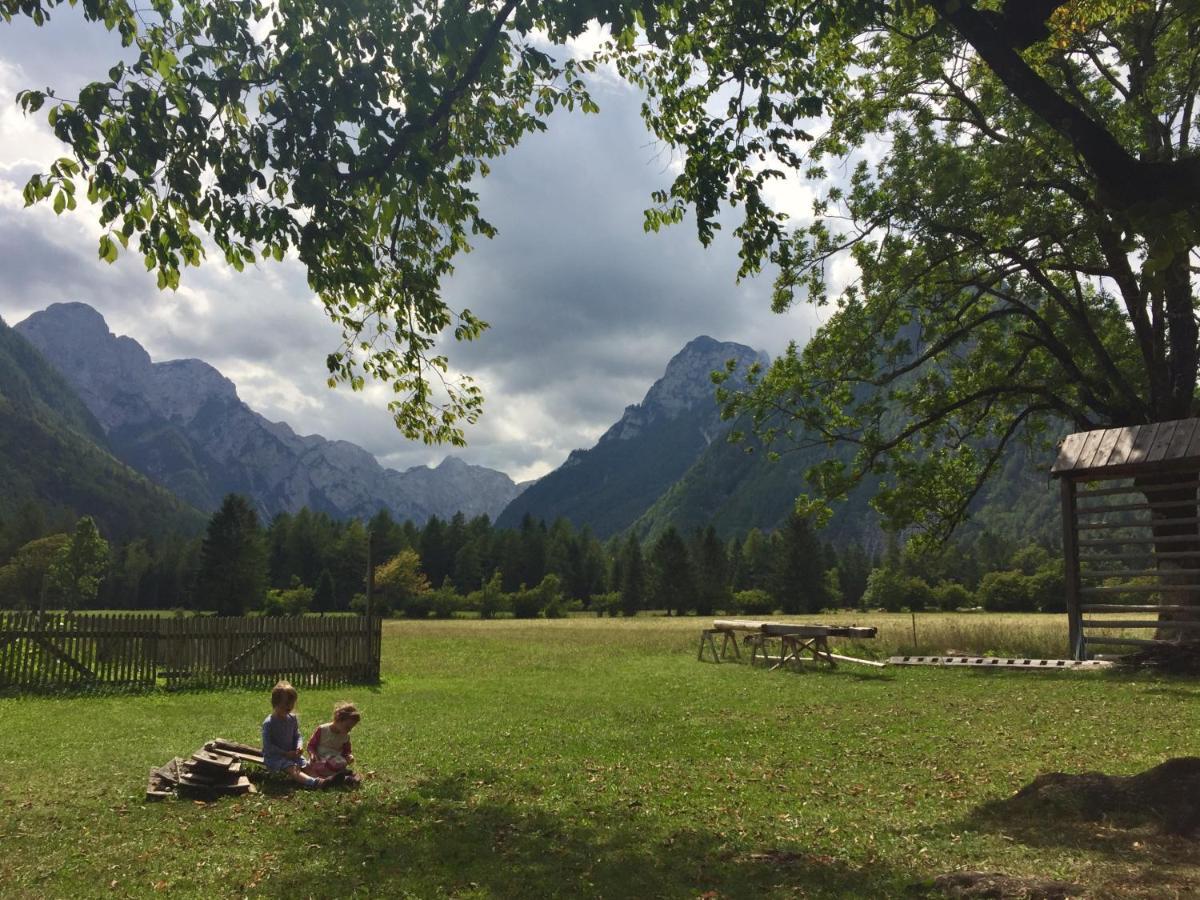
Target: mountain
[[643, 454], [182, 424], [53, 452], [668, 461]]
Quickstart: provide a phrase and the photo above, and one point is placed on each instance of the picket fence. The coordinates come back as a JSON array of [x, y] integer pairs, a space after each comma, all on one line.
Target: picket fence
[[46, 651]]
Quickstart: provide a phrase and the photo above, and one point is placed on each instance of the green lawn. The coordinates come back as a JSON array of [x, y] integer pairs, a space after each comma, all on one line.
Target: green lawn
[[597, 757]]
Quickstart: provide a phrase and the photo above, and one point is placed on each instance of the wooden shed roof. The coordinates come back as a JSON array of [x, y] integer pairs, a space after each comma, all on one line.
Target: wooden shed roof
[[1120, 452]]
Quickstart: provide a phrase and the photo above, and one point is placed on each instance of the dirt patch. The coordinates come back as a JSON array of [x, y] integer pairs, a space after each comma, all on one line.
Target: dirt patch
[[1004, 887], [1167, 796]]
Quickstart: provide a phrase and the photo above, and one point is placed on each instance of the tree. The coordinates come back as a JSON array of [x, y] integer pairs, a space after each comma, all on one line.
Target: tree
[[1012, 277], [1024, 244], [799, 580], [400, 581], [80, 566], [632, 577], [712, 577], [671, 578], [25, 581], [233, 560], [323, 598]]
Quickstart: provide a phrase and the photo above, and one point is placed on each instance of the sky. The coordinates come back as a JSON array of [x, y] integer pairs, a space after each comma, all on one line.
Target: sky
[[585, 308]]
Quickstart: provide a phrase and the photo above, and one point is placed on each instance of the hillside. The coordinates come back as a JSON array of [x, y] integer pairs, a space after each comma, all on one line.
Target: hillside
[[53, 452], [643, 454]]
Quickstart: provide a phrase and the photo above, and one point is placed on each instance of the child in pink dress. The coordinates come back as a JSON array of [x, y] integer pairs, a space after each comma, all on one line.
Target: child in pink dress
[[329, 748]]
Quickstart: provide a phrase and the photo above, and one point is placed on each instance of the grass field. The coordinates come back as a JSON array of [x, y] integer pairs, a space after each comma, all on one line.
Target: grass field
[[597, 757]]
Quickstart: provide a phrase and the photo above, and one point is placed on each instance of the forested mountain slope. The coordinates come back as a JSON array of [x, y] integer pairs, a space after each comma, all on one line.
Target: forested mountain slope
[[53, 453]]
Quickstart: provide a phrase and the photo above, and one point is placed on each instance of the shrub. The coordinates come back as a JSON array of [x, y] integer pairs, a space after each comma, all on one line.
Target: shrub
[[754, 602], [1007, 592], [950, 595], [891, 590], [445, 601], [294, 601], [526, 603], [605, 603], [490, 599], [1049, 588], [418, 606]]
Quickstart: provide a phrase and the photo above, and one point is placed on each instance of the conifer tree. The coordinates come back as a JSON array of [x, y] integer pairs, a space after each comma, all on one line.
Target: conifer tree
[[233, 560], [672, 578], [632, 577]]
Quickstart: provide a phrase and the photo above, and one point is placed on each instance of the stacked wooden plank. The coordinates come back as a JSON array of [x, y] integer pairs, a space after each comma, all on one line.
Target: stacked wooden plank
[[215, 770]]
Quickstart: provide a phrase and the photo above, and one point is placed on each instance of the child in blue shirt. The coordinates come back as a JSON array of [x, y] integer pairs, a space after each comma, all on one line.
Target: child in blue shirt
[[281, 738]]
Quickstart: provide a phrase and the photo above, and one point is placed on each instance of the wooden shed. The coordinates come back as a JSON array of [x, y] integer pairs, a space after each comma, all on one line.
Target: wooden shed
[[1130, 537]]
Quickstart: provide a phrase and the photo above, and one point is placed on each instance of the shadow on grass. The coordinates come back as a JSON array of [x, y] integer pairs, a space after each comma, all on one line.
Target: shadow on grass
[[462, 836], [1104, 817]]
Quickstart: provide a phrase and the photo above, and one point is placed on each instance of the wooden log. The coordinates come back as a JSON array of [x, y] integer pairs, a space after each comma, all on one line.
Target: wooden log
[[212, 759], [234, 748], [737, 625]]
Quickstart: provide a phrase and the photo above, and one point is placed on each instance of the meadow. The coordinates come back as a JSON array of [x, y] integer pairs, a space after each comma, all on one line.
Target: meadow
[[597, 758]]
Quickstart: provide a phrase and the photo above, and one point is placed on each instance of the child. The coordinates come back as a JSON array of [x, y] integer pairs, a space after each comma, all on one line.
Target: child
[[329, 747], [281, 738]]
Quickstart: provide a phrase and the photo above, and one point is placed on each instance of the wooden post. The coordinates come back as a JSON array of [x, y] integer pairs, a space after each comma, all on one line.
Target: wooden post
[[1071, 561]]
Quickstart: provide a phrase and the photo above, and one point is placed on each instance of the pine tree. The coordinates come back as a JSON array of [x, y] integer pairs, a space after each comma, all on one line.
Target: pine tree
[[324, 599], [711, 566], [633, 577], [233, 560], [672, 578], [799, 568]]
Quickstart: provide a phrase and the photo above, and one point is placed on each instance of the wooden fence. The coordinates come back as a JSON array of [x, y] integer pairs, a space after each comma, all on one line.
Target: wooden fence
[[69, 650]]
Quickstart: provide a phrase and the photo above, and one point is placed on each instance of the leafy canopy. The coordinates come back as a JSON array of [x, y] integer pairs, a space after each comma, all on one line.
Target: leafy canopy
[[1021, 204]]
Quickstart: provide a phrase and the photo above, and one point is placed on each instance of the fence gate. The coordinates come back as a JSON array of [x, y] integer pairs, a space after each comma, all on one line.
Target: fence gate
[[51, 650], [82, 650], [1130, 539], [234, 650]]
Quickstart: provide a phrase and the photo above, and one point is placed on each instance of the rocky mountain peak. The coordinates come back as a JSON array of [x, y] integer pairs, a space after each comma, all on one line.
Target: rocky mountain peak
[[686, 385], [687, 381], [181, 422]]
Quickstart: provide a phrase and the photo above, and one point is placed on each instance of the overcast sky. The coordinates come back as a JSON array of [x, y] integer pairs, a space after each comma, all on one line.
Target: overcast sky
[[585, 309]]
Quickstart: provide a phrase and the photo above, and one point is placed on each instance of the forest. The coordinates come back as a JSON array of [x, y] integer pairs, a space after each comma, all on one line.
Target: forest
[[309, 562]]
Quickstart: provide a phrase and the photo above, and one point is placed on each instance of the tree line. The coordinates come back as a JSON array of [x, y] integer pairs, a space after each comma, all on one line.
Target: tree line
[[310, 562]]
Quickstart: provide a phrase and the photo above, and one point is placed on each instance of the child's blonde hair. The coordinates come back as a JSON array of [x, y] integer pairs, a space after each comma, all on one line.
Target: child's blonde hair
[[283, 692], [346, 711]]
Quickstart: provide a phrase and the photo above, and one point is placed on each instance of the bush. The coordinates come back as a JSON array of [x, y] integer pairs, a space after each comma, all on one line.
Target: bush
[[294, 601], [445, 602], [950, 595], [525, 603], [605, 603], [1049, 588], [550, 595], [754, 603], [1008, 592], [489, 599], [418, 606], [889, 589]]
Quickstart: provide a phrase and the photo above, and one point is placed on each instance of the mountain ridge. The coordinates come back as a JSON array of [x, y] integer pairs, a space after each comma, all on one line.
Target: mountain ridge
[[608, 486], [182, 423]]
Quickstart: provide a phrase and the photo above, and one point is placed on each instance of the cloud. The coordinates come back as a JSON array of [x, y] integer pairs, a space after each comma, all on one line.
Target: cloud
[[585, 308]]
